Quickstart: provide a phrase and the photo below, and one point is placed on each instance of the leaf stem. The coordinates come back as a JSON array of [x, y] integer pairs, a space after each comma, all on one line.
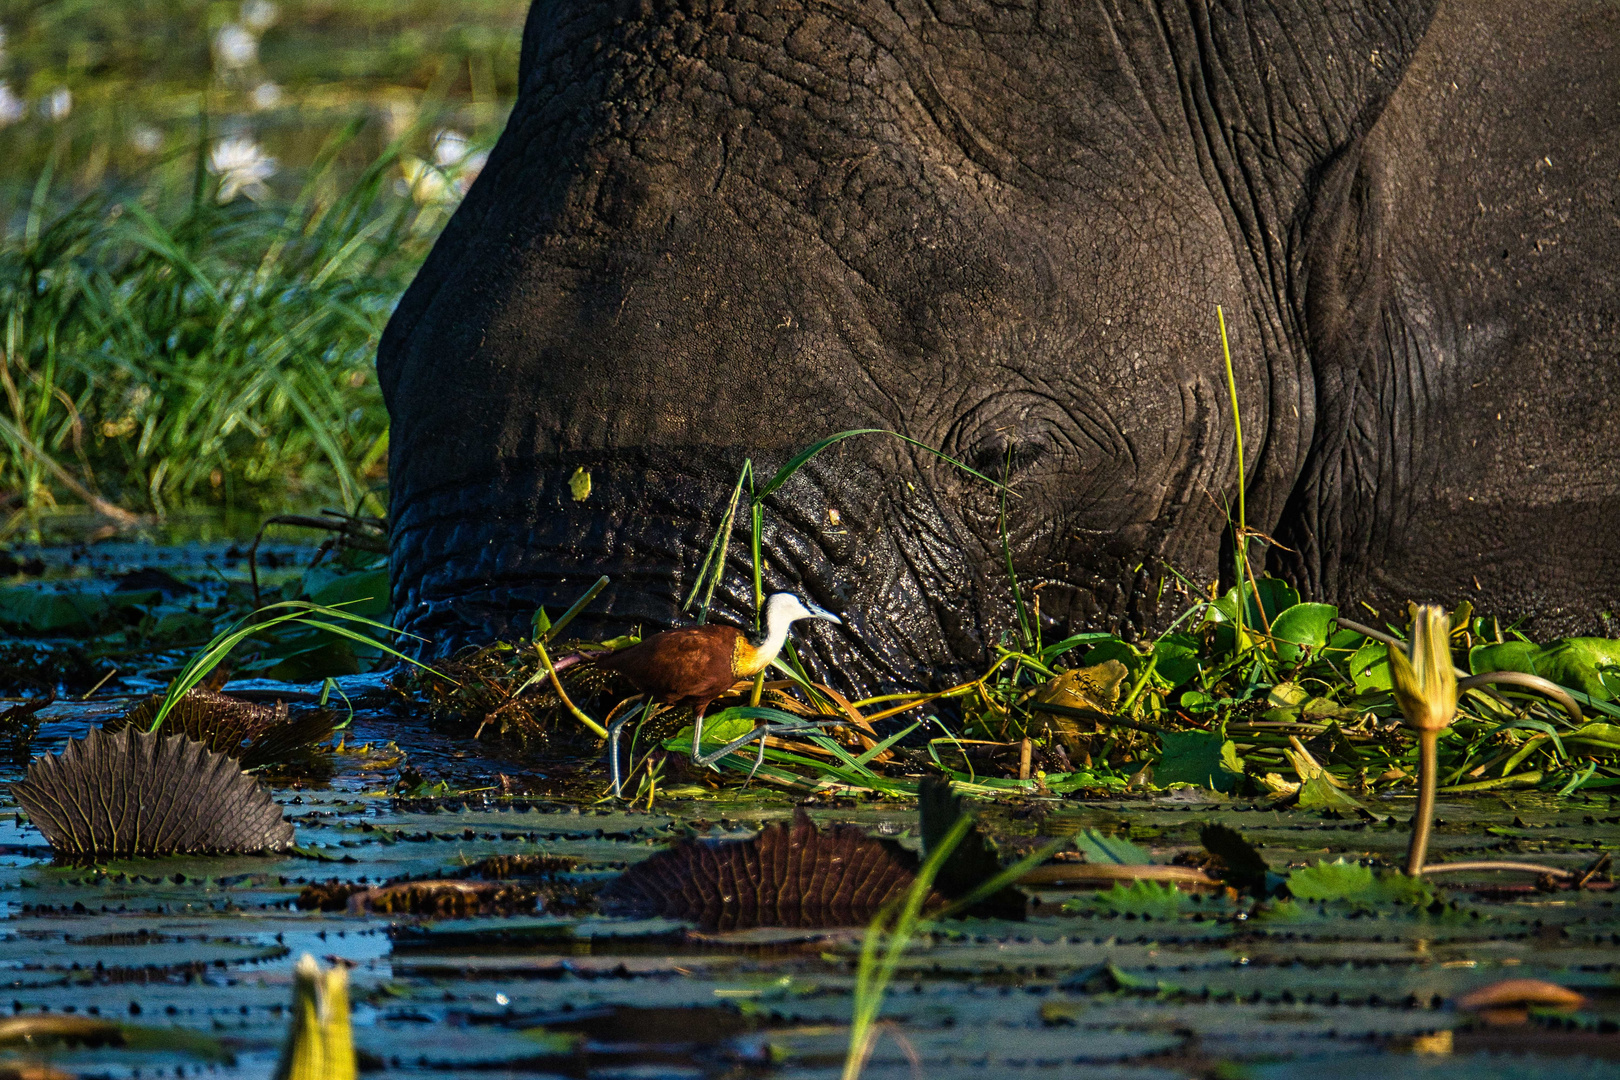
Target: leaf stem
[[1423, 820]]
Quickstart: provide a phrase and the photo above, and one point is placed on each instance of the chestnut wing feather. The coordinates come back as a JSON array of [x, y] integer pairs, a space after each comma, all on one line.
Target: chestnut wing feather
[[690, 664]]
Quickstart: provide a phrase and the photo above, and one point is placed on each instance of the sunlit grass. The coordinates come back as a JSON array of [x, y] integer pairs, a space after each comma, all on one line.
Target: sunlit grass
[[165, 350]]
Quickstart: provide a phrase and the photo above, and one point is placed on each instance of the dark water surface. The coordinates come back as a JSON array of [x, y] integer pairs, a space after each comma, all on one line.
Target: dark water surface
[[1197, 988]]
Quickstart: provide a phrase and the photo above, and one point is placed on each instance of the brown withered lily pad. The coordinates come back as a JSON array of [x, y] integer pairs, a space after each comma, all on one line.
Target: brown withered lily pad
[[255, 735], [452, 898], [134, 793], [789, 875]]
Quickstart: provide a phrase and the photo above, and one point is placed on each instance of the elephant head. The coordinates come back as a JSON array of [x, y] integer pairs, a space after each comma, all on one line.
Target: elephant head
[[720, 231]]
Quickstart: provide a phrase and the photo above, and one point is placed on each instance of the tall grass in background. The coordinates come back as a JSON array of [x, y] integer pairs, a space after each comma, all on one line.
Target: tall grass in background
[[161, 349]]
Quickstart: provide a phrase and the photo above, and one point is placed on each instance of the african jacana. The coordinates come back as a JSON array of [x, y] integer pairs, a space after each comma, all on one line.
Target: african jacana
[[693, 665]]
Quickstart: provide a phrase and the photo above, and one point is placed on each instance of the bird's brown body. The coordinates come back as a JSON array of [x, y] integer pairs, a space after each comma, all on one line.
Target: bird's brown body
[[696, 664], [689, 666]]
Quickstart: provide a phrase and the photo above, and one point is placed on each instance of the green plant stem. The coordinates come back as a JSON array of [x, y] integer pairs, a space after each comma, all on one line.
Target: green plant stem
[[1423, 820], [597, 729], [1525, 779], [1240, 549]]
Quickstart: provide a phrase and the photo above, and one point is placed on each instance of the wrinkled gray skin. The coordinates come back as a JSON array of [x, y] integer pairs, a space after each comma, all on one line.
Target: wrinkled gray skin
[[718, 231]]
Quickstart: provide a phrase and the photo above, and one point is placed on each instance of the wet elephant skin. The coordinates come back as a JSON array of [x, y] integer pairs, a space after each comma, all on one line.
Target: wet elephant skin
[[719, 231]]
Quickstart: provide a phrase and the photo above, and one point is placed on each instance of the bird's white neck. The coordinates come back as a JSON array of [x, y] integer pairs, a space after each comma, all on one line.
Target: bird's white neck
[[776, 634]]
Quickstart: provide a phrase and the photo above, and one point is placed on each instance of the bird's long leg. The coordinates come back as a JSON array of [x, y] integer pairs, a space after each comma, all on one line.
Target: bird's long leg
[[614, 728], [760, 733]]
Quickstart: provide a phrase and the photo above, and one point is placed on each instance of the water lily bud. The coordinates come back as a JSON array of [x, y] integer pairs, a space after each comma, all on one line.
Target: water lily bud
[[320, 1045], [1425, 682]]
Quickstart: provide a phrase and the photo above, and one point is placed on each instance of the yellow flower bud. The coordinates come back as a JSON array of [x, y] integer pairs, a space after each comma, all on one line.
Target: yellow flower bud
[[1425, 683], [320, 1045]]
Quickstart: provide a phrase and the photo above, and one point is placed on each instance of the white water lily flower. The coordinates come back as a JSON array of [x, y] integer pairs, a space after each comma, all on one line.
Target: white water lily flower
[[242, 168], [57, 104], [146, 138], [449, 147], [424, 182], [267, 95], [471, 166], [260, 15], [12, 107], [235, 46]]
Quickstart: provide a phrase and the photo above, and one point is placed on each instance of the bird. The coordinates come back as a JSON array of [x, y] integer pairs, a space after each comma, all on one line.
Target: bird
[[693, 665]]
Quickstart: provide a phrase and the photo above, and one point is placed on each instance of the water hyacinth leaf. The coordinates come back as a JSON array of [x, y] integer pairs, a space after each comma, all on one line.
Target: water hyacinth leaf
[[1177, 659], [138, 794], [1590, 665], [1115, 850], [1505, 656], [1203, 758], [1302, 627], [1356, 884], [1369, 668], [1265, 600]]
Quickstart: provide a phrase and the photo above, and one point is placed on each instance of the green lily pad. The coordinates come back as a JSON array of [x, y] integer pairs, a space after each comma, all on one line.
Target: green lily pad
[[1204, 758], [1302, 627]]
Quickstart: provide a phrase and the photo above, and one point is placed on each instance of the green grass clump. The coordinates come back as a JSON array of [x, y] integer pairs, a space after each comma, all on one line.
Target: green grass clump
[[161, 349]]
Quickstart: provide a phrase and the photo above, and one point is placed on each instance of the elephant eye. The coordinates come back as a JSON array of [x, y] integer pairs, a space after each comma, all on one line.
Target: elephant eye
[[1006, 452]]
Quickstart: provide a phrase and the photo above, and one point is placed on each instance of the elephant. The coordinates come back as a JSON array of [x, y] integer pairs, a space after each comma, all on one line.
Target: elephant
[[717, 231]]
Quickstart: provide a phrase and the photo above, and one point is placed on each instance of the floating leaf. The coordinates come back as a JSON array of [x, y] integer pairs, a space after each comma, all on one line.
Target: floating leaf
[[1155, 899], [1177, 656], [1102, 848], [1369, 668], [25, 609], [1352, 882], [139, 793], [1203, 758]]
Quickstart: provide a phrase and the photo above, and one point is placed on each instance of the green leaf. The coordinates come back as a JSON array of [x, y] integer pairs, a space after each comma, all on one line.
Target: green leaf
[[1115, 649], [1369, 668], [1203, 758], [1155, 899], [1178, 658], [1301, 627], [1271, 594], [1319, 793], [1590, 665], [1357, 884], [363, 593], [24, 609], [1117, 850], [1505, 656]]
